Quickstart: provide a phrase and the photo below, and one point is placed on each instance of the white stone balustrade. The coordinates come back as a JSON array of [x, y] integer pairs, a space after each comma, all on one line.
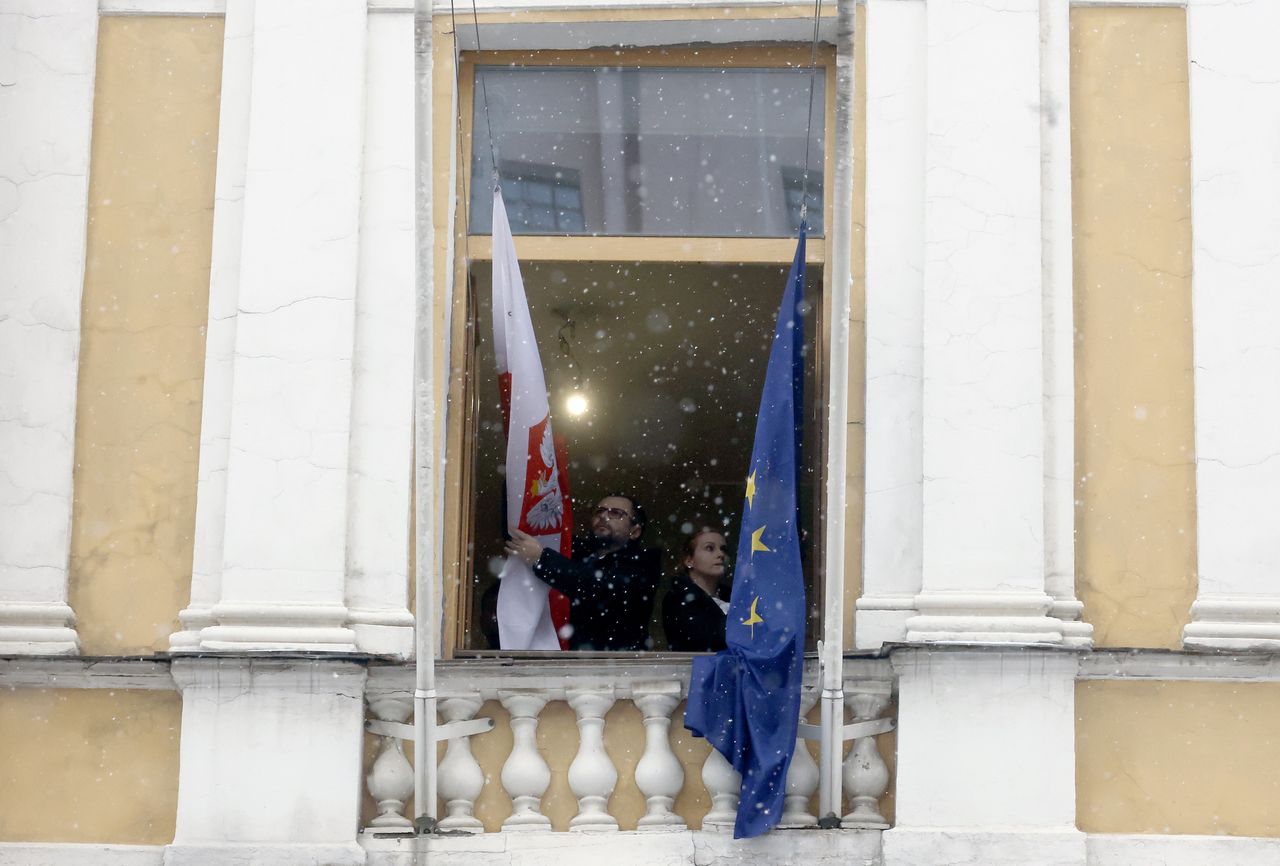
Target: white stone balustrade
[[390, 779], [659, 775], [591, 688], [866, 776], [802, 776], [592, 774], [460, 778], [723, 783], [525, 775]]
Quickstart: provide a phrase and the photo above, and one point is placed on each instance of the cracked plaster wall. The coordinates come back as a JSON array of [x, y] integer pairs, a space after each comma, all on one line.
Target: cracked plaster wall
[[1177, 758], [142, 345], [1135, 473], [89, 765]]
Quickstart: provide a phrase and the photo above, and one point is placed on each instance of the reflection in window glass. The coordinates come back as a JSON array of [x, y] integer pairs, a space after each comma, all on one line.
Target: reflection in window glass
[[644, 151], [543, 198], [668, 362]]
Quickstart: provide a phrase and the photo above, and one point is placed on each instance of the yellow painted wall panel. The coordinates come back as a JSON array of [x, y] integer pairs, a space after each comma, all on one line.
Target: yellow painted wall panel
[[142, 343], [856, 470], [1135, 471], [86, 765], [1178, 757]]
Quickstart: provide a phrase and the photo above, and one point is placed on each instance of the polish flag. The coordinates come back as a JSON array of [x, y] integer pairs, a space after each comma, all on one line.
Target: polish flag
[[530, 613]]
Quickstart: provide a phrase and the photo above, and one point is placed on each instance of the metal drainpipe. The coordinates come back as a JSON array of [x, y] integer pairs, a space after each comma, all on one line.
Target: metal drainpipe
[[830, 800], [424, 693]]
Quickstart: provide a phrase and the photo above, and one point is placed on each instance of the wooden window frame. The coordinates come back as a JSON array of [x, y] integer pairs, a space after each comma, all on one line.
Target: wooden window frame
[[465, 381]]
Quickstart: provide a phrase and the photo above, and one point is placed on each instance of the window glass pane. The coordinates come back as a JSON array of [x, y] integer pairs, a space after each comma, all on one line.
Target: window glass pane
[[670, 360], [701, 152]]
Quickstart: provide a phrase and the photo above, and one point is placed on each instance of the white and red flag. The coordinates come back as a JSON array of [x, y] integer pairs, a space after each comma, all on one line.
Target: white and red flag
[[530, 613]]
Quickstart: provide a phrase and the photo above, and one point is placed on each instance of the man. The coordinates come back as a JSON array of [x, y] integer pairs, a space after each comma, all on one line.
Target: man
[[610, 581]]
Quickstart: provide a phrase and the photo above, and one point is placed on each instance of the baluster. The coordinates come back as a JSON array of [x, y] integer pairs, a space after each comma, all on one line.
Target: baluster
[[390, 779], [460, 779], [525, 775], [659, 775], [592, 774], [866, 776], [802, 776], [724, 784]]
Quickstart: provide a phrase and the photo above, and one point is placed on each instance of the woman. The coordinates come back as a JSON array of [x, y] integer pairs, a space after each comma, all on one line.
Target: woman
[[693, 612]]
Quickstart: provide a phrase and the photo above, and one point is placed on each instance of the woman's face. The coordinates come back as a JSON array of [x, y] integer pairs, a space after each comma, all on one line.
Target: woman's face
[[710, 552]]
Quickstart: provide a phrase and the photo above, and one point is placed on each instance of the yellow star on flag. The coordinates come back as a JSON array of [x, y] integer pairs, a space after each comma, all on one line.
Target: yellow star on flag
[[753, 617], [751, 489], [756, 543]]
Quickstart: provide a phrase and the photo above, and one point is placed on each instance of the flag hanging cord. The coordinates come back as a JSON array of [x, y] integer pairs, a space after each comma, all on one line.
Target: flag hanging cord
[[484, 90], [808, 129]]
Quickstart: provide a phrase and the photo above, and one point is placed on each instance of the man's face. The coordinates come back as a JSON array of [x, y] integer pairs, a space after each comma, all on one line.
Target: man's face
[[613, 522]]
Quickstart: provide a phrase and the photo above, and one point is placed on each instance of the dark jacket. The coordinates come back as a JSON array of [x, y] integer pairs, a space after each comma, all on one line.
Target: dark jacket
[[692, 619], [610, 595]]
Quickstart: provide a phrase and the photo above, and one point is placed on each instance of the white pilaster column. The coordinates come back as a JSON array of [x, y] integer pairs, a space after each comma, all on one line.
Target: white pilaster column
[[382, 406], [1059, 323], [986, 758], [271, 762], [525, 775], [286, 511], [592, 775], [461, 778], [1235, 224], [659, 775], [47, 58], [983, 399], [894, 520], [220, 331]]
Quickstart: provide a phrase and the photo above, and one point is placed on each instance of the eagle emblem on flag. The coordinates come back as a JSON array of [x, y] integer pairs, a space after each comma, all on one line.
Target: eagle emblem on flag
[[543, 509]]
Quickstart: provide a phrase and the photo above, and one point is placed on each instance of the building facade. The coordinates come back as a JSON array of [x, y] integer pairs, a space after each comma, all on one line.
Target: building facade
[[247, 419]]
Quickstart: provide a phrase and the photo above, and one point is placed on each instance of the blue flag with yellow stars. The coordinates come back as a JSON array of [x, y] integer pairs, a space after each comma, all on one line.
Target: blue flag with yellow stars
[[746, 699]]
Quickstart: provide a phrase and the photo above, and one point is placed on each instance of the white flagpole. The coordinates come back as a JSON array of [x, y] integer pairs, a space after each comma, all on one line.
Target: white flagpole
[[424, 692], [830, 795]]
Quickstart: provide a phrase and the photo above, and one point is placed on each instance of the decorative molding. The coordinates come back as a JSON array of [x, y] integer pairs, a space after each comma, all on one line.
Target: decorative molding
[[259, 627], [277, 854], [283, 674], [984, 617], [75, 854], [554, 677], [1175, 4], [1152, 850], [38, 628], [1241, 623], [162, 7], [441, 7], [632, 679], [85, 673], [1144, 664], [632, 846]]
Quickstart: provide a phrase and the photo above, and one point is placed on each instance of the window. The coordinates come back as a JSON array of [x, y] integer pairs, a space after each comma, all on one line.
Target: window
[[652, 151], [542, 199], [658, 238]]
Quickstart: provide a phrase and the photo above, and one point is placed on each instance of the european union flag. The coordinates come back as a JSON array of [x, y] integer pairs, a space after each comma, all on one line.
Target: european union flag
[[746, 699]]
